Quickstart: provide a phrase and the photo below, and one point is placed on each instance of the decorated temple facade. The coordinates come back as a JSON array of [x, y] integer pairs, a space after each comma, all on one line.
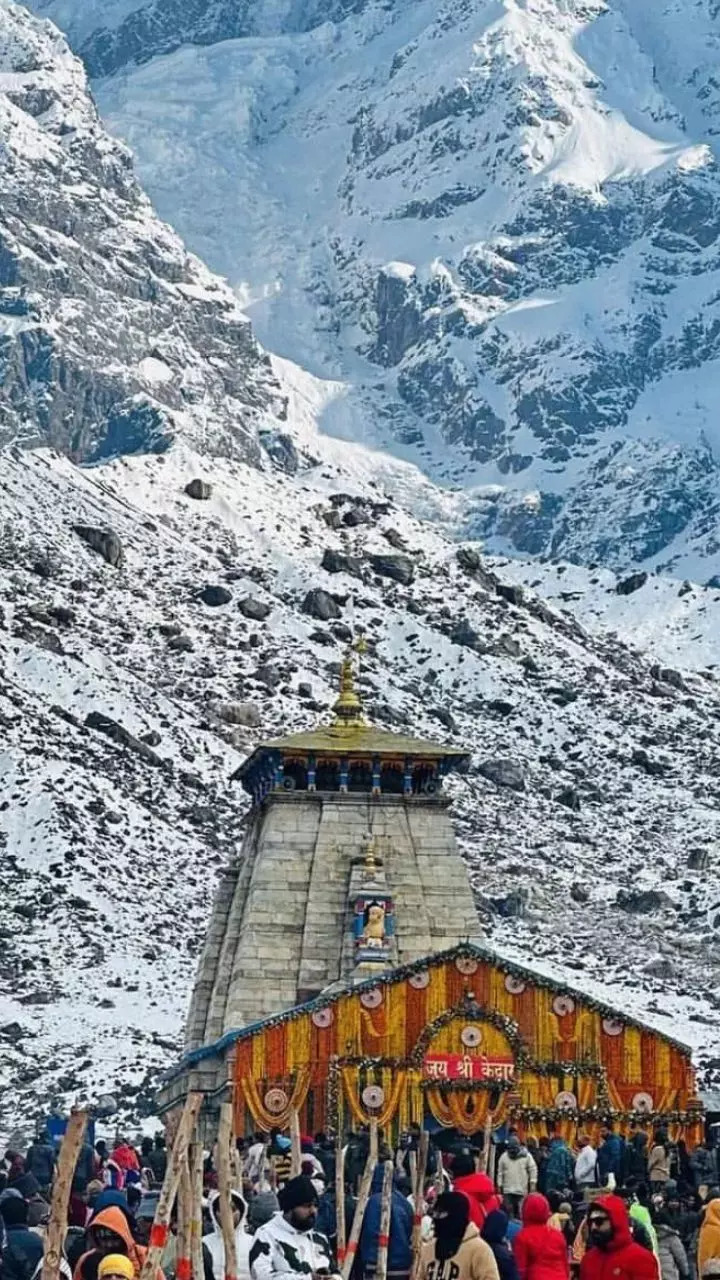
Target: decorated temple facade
[[342, 973]]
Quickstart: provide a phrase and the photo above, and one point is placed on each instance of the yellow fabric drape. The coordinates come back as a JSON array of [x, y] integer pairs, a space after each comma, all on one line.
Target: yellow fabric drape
[[267, 1120], [349, 1040], [298, 1043], [258, 1057], [633, 1056], [437, 1001]]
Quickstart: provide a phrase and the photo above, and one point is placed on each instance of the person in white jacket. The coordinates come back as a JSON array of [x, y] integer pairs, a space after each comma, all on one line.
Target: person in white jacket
[[516, 1173], [585, 1164], [215, 1244], [288, 1246]]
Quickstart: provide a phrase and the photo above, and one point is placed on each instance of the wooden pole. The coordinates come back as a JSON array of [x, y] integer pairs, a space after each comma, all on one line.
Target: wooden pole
[[296, 1164], [183, 1265], [487, 1141], [161, 1225], [374, 1140], [224, 1180], [262, 1166], [340, 1200], [363, 1197], [419, 1200], [62, 1186], [197, 1161], [381, 1266]]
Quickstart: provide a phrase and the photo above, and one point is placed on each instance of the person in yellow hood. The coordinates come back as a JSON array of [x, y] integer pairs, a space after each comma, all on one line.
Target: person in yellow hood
[[709, 1240], [109, 1233]]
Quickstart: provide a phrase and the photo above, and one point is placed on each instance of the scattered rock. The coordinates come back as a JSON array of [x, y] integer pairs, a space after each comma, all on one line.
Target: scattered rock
[[214, 596], [104, 541], [180, 643], [465, 635], [570, 798], [698, 860], [280, 448], [641, 902], [504, 773], [653, 768], [151, 739], [500, 707], [354, 517], [201, 490], [321, 605], [668, 676], [395, 539], [632, 583], [269, 675], [399, 568], [338, 562], [254, 609], [468, 559], [579, 893], [512, 906], [660, 967], [305, 690], [515, 595], [111, 729], [445, 717]]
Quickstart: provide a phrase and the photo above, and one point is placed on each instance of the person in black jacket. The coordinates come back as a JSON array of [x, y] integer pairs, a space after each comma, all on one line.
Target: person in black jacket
[[40, 1159], [23, 1249], [494, 1233]]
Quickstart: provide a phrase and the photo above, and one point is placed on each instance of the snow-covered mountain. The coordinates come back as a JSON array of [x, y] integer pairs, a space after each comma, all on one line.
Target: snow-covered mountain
[[496, 222], [163, 609]]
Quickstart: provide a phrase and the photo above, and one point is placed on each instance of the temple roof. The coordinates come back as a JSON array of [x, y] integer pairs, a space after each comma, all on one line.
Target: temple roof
[[350, 734]]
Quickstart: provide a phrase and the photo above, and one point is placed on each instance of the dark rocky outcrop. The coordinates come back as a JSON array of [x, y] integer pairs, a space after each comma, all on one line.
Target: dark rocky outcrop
[[254, 609], [504, 773], [321, 605], [201, 490], [631, 584], [399, 568], [339, 562], [101, 723], [214, 596], [104, 541]]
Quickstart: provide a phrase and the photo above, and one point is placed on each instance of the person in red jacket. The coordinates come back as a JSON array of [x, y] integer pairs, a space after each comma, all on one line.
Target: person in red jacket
[[612, 1253], [125, 1157], [478, 1188], [540, 1250]]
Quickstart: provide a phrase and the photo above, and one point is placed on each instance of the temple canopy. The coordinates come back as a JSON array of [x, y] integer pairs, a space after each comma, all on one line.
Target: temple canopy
[[348, 755]]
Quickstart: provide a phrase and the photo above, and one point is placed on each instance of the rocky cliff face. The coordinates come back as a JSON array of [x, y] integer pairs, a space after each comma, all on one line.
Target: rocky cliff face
[[499, 226], [112, 337]]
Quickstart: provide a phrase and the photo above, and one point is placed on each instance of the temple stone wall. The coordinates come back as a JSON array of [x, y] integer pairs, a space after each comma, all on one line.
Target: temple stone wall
[[277, 933]]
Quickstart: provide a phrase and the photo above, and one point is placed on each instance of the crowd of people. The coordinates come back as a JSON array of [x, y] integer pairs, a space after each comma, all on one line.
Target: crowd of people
[[622, 1210]]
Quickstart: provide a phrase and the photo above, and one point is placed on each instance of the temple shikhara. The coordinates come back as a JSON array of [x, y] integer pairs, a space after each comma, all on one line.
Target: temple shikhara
[[343, 975]]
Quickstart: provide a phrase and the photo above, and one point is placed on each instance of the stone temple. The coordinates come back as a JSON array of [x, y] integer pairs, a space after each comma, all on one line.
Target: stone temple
[[342, 975]]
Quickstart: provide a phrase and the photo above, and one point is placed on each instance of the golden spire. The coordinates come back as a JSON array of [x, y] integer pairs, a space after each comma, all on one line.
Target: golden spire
[[371, 864], [348, 708]]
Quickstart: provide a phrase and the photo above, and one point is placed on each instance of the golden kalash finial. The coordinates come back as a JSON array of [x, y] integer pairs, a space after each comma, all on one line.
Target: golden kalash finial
[[348, 708], [371, 862]]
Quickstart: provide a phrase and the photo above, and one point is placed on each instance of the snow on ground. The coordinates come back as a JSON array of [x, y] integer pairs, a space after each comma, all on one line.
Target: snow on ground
[[110, 855]]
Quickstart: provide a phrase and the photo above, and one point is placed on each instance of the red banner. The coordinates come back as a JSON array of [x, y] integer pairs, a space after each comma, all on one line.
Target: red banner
[[460, 1066]]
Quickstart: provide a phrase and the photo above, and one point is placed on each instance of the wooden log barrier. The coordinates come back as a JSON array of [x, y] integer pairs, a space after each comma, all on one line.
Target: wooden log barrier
[[225, 1137], [419, 1200], [171, 1182], [183, 1263], [62, 1186], [363, 1197], [340, 1247], [197, 1162], [296, 1159]]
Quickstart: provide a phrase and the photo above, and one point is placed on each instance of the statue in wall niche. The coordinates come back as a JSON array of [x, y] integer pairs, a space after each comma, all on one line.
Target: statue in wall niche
[[373, 935]]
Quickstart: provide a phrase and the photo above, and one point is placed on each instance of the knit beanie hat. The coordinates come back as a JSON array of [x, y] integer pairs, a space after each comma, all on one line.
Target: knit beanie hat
[[14, 1211], [116, 1264], [296, 1192]]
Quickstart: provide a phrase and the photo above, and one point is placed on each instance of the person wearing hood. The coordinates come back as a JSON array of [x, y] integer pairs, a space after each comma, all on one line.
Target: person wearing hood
[[560, 1167], [23, 1248], [215, 1245], [540, 1250], [612, 1253], [456, 1252], [401, 1226], [709, 1240], [478, 1187], [494, 1232], [671, 1251], [40, 1159], [288, 1245], [517, 1172], [611, 1157], [109, 1232]]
